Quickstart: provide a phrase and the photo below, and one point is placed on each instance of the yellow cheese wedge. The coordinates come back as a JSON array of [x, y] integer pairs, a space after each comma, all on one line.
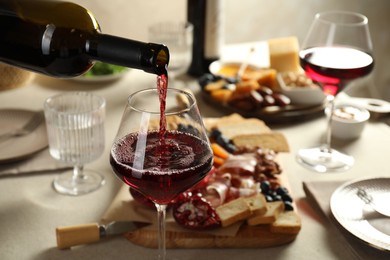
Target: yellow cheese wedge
[[283, 54]]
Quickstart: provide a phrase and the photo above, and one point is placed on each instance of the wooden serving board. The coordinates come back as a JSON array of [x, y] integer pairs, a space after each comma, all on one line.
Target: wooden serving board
[[247, 237], [259, 236]]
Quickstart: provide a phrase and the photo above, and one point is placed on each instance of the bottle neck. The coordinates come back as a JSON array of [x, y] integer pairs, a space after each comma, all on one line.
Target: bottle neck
[[150, 57]]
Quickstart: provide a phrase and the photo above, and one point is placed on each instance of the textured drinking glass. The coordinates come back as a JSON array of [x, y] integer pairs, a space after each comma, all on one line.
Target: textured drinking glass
[[178, 36], [75, 127]]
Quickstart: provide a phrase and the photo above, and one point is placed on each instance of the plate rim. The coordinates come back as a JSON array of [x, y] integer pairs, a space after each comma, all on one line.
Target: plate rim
[[21, 156], [366, 239]]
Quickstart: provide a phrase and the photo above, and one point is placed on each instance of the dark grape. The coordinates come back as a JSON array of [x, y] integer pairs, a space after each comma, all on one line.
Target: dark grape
[[288, 206], [215, 133], [265, 187], [286, 197]]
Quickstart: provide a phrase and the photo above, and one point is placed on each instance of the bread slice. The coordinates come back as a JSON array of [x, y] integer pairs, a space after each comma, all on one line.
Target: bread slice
[[274, 209], [288, 222], [233, 211], [274, 141], [257, 204]]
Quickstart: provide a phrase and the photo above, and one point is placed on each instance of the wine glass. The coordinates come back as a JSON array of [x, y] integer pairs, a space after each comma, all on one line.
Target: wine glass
[[75, 127], [336, 50], [161, 148], [178, 36]]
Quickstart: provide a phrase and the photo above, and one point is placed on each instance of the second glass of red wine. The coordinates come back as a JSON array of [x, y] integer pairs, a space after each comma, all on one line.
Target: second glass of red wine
[[161, 148], [337, 49]]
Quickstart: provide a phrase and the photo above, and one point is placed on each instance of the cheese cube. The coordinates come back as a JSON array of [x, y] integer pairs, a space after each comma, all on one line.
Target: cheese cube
[[283, 53]]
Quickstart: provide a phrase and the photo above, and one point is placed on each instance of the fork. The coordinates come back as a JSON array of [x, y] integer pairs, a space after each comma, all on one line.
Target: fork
[[368, 199], [27, 128]]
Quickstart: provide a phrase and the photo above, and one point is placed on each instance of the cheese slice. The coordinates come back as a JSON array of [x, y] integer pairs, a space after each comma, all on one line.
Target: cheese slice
[[283, 54]]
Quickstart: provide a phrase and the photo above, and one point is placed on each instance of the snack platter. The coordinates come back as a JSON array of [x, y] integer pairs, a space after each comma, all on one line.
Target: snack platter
[[256, 91], [261, 214]]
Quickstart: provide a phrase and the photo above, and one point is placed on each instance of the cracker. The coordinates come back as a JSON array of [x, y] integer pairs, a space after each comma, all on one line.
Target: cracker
[[211, 122], [233, 211], [267, 140], [233, 128], [257, 204], [287, 222], [274, 209]]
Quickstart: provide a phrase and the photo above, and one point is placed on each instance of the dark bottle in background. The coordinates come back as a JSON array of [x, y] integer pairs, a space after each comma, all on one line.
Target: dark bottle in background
[[207, 18], [63, 39]]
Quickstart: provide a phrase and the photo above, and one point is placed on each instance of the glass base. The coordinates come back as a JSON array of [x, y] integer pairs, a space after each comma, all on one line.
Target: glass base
[[67, 184], [323, 160]]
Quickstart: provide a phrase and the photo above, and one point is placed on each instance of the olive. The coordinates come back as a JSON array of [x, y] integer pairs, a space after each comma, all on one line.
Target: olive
[[215, 133], [222, 140], [231, 80], [265, 187], [277, 197], [257, 98], [265, 91], [208, 78], [268, 198], [281, 190], [281, 100], [231, 148], [286, 197], [288, 206], [268, 101]]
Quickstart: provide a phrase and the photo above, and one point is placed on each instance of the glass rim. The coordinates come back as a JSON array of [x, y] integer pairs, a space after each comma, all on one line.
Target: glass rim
[[322, 17], [171, 113], [101, 102]]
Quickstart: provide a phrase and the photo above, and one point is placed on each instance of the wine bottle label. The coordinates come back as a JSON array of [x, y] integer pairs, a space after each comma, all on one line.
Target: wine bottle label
[[213, 29]]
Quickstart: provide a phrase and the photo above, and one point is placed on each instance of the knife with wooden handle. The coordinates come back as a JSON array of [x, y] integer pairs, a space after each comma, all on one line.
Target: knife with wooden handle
[[69, 236]]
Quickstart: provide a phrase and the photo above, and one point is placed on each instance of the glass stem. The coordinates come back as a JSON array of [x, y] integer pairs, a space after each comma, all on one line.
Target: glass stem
[[77, 173], [161, 209], [330, 107]]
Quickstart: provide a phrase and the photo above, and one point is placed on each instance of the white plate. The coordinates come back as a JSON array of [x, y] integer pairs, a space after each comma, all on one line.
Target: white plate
[[359, 218], [18, 148]]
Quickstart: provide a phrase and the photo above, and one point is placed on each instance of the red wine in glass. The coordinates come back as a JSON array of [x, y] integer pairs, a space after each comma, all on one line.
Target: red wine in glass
[[169, 168], [337, 49], [333, 66]]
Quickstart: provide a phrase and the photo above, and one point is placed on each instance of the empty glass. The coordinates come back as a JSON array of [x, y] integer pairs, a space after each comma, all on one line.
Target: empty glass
[[178, 36], [75, 127]]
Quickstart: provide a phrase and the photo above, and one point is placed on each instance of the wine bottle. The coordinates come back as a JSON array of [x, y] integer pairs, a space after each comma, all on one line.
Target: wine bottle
[[63, 39], [207, 18]]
